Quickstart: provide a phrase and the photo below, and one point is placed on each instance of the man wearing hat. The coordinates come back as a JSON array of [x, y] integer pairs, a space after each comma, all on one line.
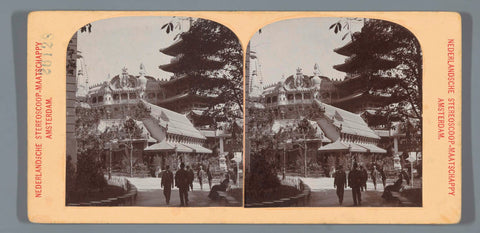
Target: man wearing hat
[[182, 182], [167, 184], [340, 182], [355, 182]]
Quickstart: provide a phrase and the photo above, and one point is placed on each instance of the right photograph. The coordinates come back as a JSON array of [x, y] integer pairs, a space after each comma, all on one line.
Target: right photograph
[[333, 114]]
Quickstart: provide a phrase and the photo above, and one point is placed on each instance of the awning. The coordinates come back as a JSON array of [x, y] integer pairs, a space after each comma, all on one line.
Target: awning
[[160, 147], [150, 139], [356, 148], [199, 149], [373, 148], [339, 146], [182, 148], [324, 140], [336, 146]]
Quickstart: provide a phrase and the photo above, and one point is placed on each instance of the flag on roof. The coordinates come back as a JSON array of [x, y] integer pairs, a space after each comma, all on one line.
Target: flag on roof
[[164, 117], [338, 117]]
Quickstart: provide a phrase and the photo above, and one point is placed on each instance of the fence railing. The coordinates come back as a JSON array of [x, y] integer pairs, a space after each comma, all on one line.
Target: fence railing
[[301, 199], [121, 182], [127, 199]]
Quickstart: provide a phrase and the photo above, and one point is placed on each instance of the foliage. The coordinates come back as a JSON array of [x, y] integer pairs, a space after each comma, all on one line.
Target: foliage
[[213, 59], [306, 129], [265, 178], [132, 130], [70, 178], [344, 24], [86, 28], [88, 176], [140, 111], [267, 145]]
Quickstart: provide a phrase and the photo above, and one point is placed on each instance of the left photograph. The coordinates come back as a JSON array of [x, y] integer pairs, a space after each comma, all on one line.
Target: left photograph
[[154, 114]]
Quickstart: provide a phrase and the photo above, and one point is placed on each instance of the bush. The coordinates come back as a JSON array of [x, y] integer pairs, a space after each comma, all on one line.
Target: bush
[[70, 179], [89, 175], [260, 184], [143, 169]]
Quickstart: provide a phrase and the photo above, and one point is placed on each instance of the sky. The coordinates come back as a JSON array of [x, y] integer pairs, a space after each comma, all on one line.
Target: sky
[[283, 46], [126, 41]]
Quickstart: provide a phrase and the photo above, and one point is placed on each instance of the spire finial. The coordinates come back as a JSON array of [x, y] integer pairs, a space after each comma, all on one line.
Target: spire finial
[[142, 69], [299, 70], [316, 70]]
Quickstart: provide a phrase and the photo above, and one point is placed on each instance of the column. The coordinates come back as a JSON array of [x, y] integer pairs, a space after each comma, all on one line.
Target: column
[[221, 145]]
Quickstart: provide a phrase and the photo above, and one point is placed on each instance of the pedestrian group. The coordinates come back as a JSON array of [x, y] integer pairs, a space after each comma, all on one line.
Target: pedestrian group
[[357, 181], [183, 180]]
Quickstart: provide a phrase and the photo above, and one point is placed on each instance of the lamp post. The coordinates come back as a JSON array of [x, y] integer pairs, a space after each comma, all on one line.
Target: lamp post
[[115, 141], [284, 162], [411, 160], [112, 143], [131, 158], [305, 149], [110, 162]]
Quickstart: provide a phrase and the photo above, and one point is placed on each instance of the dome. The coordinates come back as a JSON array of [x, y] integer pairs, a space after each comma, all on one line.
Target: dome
[[142, 81], [316, 81]]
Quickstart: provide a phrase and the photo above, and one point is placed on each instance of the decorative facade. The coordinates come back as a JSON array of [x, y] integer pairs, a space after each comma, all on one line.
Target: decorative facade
[[294, 94], [118, 94]]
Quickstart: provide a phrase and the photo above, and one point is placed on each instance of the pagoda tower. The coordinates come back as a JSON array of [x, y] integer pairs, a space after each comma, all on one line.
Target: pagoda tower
[[179, 96], [356, 93]]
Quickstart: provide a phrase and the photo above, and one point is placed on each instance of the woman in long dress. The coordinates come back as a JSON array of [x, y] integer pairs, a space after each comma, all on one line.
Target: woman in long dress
[[387, 193], [219, 187]]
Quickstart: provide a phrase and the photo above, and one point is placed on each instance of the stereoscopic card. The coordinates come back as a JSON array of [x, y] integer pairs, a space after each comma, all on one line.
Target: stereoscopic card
[[244, 117]]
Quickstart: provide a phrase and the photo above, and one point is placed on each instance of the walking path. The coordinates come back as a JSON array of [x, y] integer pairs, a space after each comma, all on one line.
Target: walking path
[[149, 193], [324, 194], [326, 183]]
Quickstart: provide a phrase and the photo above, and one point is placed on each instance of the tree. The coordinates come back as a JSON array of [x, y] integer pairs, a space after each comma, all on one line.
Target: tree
[[307, 132], [133, 132], [213, 60], [89, 174], [140, 111]]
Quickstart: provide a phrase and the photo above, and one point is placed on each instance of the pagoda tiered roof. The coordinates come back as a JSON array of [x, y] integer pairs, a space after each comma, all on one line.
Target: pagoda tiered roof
[[364, 94], [347, 50], [187, 97], [174, 49], [177, 65], [183, 102], [174, 66], [175, 79], [357, 64]]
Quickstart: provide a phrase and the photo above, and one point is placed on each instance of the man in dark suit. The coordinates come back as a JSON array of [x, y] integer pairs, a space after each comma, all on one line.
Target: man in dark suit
[[191, 177], [167, 183], [182, 182], [355, 181], [340, 182], [364, 178]]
